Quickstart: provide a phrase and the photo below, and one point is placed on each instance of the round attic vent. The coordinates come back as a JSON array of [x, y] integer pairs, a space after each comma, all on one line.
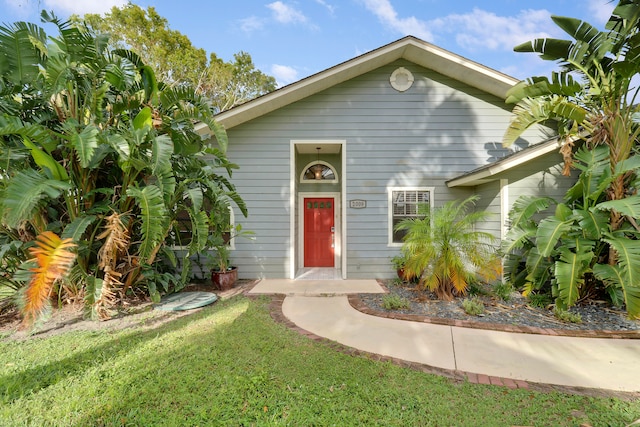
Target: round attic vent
[[401, 79]]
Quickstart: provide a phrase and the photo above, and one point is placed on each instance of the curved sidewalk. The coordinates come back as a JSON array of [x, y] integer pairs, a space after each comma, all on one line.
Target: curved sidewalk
[[600, 363]]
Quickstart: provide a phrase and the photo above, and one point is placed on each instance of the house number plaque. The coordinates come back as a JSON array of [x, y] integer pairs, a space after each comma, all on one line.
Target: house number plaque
[[357, 204]]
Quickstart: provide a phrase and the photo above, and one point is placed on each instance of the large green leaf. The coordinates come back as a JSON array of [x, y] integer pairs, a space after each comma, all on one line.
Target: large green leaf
[[614, 275], [23, 195], [531, 111], [143, 119], [76, 229], [593, 223], [85, 144], [538, 267], [628, 258], [46, 161], [199, 231], [550, 230], [162, 149], [167, 184], [525, 207], [516, 238], [569, 274], [20, 52], [549, 49], [153, 218], [629, 206]]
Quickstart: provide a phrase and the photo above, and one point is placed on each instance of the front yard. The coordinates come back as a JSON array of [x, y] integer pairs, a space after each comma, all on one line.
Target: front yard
[[231, 364]]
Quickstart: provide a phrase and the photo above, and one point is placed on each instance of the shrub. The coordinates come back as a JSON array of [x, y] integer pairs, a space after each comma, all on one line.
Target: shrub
[[503, 291], [539, 300], [473, 306], [567, 316], [444, 249], [395, 302]]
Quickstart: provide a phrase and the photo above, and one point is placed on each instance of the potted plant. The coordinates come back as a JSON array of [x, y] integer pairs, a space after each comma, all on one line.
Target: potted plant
[[398, 263], [223, 275]]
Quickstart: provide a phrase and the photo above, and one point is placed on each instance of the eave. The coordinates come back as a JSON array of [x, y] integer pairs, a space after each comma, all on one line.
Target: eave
[[489, 172]]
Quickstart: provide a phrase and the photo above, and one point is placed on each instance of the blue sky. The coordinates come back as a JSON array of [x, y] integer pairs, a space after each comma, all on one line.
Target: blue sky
[[292, 39]]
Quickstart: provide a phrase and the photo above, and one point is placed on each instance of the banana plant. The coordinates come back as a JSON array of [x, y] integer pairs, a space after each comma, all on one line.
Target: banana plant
[[563, 253], [88, 135]]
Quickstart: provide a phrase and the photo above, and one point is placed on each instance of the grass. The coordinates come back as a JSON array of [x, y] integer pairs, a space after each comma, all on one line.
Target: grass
[[231, 364]]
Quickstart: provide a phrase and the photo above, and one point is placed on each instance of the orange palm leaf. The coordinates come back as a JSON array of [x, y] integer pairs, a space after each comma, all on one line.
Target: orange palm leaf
[[54, 258]]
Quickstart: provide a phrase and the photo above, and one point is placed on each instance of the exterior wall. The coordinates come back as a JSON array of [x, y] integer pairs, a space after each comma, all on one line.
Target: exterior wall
[[434, 131], [490, 201], [541, 177]]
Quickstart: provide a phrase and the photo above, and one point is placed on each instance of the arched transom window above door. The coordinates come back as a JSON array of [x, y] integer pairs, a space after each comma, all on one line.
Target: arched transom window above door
[[318, 171]]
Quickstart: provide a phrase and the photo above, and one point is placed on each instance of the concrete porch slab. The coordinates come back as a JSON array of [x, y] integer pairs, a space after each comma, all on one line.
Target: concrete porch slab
[[316, 287]]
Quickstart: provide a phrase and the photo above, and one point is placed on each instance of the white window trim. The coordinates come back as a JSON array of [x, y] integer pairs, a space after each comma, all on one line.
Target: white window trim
[[390, 190], [319, 181]]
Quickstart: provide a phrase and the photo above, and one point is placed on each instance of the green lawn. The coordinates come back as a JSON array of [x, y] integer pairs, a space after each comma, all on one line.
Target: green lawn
[[231, 364]]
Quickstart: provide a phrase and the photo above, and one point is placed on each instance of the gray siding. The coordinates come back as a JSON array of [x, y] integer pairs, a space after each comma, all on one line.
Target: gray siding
[[490, 201], [436, 130]]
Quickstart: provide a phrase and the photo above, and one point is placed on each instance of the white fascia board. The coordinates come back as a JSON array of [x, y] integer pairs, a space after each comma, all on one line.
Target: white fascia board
[[487, 173]]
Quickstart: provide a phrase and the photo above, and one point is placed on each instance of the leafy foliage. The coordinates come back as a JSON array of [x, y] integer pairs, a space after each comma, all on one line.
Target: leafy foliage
[[175, 60], [590, 244], [94, 148], [445, 251], [53, 258]]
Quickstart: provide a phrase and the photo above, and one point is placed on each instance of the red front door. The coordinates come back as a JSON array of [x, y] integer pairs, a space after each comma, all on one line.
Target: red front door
[[318, 232]]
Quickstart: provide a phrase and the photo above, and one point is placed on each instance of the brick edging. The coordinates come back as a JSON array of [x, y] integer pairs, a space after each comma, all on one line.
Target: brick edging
[[275, 309]]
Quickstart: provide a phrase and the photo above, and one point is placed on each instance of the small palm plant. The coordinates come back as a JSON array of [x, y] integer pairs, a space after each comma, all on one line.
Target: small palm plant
[[446, 252]]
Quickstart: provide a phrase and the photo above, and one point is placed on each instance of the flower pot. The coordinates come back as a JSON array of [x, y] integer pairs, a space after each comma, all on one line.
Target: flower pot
[[224, 280], [402, 275]]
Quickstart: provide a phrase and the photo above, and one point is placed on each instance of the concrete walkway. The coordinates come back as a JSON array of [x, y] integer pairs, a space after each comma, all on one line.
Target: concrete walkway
[[322, 308]]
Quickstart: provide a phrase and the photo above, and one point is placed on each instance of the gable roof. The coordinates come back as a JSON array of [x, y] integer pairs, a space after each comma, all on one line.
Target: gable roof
[[410, 48]]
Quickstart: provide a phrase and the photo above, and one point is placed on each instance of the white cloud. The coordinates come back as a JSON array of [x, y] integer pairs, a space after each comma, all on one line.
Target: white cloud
[[284, 74], [68, 7], [389, 17], [601, 10], [251, 24], [328, 6], [286, 14], [486, 30]]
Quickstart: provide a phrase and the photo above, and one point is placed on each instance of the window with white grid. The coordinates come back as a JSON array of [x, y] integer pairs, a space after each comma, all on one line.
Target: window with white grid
[[404, 203]]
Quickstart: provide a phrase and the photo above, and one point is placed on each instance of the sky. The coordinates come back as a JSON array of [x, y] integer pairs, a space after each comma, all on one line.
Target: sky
[[293, 39]]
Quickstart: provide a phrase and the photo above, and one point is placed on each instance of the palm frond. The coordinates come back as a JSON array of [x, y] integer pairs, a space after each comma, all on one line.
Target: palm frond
[[24, 194], [53, 257]]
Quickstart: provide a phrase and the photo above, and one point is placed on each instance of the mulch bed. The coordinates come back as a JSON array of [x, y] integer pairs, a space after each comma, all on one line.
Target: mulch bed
[[598, 317]]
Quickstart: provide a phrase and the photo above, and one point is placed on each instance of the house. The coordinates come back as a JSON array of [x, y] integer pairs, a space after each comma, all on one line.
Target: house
[[329, 164]]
